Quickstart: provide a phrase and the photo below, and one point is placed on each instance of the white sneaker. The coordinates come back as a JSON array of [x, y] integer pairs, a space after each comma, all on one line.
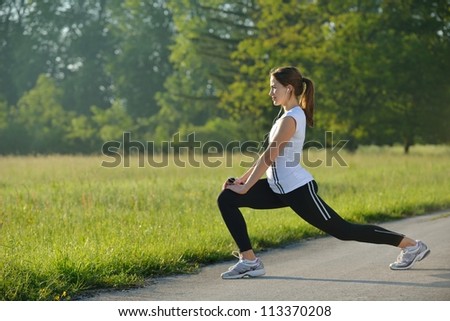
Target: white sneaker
[[244, 268], [410, 255]]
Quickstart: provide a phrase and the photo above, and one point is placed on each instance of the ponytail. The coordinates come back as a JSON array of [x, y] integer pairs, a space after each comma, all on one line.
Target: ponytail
[[307, 101]]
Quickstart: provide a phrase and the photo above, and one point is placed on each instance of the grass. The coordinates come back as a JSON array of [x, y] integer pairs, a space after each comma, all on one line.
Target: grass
[[68, 225]]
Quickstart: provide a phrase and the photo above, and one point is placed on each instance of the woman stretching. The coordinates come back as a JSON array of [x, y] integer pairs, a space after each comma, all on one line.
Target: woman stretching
[[289, 184]]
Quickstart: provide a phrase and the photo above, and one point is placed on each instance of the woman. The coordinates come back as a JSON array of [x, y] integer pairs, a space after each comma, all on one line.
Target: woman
[[289, 184]]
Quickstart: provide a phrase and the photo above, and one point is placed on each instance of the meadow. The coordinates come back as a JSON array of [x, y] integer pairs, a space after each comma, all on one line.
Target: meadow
[[69, 225]]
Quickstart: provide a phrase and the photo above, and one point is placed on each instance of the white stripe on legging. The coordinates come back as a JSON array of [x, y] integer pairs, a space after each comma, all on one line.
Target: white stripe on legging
[[389, 232], [318, 203]]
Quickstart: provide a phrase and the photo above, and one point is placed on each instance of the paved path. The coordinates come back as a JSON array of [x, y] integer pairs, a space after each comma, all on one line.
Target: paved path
[[323, 269]]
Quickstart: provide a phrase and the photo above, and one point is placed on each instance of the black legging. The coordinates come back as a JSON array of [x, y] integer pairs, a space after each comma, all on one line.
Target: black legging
[[307, 204]]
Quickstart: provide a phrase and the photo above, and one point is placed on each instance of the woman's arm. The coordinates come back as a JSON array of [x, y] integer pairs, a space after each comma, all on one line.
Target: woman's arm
[[245, 176], [284, 133]]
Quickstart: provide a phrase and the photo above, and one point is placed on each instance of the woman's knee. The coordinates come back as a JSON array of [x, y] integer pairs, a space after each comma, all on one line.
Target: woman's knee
[[226, 197], [350, 232], [342, 230]]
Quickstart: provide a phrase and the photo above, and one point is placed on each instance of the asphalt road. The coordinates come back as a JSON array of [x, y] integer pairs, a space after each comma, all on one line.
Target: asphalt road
[[323, 269]]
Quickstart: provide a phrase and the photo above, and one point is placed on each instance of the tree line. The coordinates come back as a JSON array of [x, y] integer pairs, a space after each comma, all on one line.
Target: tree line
[[77, 73]]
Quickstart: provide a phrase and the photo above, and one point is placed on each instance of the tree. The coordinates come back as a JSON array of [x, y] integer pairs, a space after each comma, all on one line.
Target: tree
[[83, 49], [281, 37], [380, 69], [383, 70], [416, 42], [360, 55], [22, 58], [351, 70], [39, 114], [81, 136], [4, 111], [67, 40], [140, 62], [112, 122], [207, 32], [4, 126]]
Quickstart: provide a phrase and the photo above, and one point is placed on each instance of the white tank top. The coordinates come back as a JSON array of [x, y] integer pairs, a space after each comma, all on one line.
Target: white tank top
[[286, 173]]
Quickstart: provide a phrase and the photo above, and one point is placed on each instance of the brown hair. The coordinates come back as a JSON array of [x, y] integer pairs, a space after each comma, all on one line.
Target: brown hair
[[303, 88]]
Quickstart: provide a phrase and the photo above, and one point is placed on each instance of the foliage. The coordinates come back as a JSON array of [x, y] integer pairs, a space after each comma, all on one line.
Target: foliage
[[207, 32], [140, 62], [277, 40], [380, 68], [41, 118]]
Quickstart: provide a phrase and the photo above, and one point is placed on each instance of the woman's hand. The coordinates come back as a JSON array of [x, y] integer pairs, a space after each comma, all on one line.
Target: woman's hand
[[238, 188], [234, 181]]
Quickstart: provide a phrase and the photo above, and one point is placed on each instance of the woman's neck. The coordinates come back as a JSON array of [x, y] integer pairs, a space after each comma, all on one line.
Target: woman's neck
[[292, 103]]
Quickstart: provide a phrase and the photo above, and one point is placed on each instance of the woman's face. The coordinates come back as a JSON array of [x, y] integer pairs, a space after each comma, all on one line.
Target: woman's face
[[278, 92]]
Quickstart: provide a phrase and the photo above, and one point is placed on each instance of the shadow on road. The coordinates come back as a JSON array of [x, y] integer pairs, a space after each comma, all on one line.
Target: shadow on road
[[439, 284]]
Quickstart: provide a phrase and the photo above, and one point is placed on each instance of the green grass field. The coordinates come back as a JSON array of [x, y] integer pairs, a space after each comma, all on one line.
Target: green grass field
[[68, 225]]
